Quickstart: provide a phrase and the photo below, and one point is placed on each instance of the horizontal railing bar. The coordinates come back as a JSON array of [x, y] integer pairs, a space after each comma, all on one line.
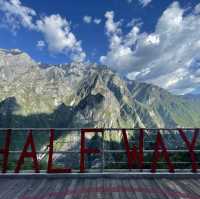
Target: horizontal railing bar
[[106, 129], [130, 142], [117, 170], [111, 162], [43, 152], [108, 162], [110, 151], [150, 151]]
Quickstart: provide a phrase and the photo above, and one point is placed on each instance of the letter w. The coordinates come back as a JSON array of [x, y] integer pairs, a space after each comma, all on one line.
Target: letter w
[[134, 155]]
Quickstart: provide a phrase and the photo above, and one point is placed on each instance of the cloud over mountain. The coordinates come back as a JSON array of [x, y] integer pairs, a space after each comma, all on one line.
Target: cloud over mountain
[[168, 56], [57, 33], [55, 29]]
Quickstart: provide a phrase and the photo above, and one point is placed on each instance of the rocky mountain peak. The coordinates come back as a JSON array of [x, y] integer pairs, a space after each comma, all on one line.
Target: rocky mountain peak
[[13, 63], [15, 57]]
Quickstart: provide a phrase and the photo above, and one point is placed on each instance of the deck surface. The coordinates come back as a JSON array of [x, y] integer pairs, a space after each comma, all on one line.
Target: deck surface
[[99, 188]]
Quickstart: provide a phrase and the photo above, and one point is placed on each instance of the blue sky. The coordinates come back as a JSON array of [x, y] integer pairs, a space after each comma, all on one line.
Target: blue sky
[[155, 41]]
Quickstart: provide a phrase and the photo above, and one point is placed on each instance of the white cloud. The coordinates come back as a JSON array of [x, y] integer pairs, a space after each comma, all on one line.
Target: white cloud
[[55, 29], [87, 19], [142, 2], [40, 44], [197, 9], [135, 22], [152, 39], [111, 26], [165, 57], [120, 53], [16, 14], [145, 2], [58, 35], [97, 21]]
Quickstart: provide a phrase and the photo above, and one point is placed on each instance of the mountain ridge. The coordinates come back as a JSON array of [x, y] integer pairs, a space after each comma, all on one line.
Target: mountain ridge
[[85, 95]]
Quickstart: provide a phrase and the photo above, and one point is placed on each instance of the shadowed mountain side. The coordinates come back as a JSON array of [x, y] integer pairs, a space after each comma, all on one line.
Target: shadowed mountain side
[[62, 117], [9, 118]]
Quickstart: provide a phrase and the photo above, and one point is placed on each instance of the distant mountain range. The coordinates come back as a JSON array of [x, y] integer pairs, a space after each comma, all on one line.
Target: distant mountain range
[[84, 95]]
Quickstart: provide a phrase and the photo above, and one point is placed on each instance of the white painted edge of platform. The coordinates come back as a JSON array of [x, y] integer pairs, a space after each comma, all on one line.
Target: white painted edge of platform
[[101, 175]]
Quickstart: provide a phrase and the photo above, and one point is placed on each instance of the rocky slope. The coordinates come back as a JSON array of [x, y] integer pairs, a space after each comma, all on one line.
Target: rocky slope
[[84, 95]]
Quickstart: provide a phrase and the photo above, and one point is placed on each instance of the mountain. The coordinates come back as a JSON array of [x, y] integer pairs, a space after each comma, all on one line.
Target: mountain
[[84, 95], [194, 97]]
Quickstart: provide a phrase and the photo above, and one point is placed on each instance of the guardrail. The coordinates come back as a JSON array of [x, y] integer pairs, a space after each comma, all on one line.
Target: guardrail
[[94, 150]]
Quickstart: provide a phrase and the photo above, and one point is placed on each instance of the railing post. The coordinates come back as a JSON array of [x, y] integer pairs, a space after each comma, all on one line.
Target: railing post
[[102, 148], [5, 151]]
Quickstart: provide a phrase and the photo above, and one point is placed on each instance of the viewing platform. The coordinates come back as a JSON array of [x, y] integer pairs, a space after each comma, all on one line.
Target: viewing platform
[[99, 186], [99, 163]]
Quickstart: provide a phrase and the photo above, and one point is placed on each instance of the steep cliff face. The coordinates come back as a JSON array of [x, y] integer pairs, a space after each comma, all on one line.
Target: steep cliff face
[[84, 95]]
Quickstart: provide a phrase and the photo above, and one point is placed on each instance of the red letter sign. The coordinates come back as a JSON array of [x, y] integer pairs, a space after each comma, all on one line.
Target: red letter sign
[[84, 150], [5, 151], [190, 146], [50, 161], [26, 154], [161, 145], [134, 155]]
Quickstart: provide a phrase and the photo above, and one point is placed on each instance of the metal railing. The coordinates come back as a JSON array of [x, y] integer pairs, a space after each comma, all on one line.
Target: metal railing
[[114, 153]]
